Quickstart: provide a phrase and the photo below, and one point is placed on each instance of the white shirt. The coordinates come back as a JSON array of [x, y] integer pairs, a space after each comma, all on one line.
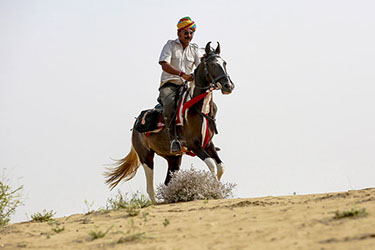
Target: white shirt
[[180, 58]]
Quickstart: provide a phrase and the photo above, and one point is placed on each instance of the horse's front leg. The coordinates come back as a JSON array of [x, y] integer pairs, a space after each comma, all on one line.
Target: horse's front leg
[[211, 150], [204, 156]]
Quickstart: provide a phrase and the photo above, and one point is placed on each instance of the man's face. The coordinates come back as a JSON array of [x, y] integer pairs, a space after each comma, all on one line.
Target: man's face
[[185, 36]]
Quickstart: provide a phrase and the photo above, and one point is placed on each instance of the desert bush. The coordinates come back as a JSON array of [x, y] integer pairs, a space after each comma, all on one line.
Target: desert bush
[[354, 212], [117, 202], [43, 216], [192, 184], [89, 206], [140, 200], [9, 200], [131, 205], [97, 233]]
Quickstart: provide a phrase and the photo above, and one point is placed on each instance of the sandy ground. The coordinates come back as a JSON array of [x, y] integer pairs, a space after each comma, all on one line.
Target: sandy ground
[[288, 222]]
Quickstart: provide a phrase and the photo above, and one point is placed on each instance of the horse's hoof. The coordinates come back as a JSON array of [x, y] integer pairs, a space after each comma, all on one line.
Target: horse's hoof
[[219, 175], [220, 170]]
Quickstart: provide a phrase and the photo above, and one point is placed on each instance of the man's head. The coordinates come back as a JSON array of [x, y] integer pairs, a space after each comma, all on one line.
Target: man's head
[[185, 30]]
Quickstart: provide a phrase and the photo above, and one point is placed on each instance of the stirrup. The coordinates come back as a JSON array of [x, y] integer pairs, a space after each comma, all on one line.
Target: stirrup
[[175, 146]]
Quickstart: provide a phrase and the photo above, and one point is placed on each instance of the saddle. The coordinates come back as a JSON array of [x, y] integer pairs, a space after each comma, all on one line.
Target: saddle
[[150, 120]]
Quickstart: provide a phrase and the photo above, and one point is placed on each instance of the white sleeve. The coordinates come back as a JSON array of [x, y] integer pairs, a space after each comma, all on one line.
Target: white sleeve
[[166, 53]]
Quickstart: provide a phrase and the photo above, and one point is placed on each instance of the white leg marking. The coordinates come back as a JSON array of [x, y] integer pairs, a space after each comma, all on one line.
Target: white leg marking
[[150, 182], [220, 170], [211, 165]]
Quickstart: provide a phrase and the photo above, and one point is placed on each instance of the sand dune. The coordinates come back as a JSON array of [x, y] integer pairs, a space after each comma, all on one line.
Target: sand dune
[[287, 222]]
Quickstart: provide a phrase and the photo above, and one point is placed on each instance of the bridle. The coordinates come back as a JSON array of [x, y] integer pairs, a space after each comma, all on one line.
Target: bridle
[[213, 82]]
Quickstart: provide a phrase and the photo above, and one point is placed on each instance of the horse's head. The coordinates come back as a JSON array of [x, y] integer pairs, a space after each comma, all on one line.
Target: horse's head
[[215, 70]]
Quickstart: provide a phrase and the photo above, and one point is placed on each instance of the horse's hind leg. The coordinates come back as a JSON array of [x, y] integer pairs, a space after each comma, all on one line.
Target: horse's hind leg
[[148, 166], [219, 164], [174, 163], [146, 157]]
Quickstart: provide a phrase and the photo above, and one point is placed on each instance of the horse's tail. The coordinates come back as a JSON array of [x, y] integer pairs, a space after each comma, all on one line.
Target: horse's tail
[[125, 168]]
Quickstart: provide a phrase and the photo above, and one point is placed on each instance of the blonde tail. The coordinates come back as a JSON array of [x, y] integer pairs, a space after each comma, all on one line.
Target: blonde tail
[[123, 169]]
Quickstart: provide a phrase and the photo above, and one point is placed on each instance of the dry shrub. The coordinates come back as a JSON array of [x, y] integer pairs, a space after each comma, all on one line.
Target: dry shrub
[[192, 184], [122, 200], [10, 199]]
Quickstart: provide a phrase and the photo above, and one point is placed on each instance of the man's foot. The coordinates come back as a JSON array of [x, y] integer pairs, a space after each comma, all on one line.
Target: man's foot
[[175, 146]]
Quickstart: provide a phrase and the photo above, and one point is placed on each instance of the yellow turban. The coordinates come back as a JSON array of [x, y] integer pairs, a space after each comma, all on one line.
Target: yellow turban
[[186, 22]]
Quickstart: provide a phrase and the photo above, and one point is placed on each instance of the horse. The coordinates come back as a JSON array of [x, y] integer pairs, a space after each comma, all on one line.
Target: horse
[[210, 74]]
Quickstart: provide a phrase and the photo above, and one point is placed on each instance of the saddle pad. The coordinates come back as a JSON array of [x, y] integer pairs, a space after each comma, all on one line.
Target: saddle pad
[[150, 120]]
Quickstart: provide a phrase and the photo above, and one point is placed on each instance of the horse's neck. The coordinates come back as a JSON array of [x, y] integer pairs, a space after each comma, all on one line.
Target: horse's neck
[[200, 83], [200, 87]]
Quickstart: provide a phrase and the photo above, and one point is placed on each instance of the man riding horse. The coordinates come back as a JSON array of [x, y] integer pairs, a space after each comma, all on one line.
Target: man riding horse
[[196, 112], [178, 59]]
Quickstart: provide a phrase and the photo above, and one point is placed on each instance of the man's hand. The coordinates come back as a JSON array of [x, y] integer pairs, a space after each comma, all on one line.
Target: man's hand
[[167, 67], [187, 77]]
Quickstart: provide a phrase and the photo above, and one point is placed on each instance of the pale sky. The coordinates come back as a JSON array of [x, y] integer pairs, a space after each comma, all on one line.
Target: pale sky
[[74, 74]]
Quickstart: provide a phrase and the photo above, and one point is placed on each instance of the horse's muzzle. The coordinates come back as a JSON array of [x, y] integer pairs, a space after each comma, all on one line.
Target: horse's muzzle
[[227, 87]]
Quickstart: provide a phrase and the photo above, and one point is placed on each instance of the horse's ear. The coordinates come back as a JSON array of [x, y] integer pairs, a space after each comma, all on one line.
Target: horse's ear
[[218, 48], [208, 48]]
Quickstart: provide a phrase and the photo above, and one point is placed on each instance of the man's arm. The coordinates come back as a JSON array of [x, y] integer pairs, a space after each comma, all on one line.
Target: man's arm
[[167, 67]]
